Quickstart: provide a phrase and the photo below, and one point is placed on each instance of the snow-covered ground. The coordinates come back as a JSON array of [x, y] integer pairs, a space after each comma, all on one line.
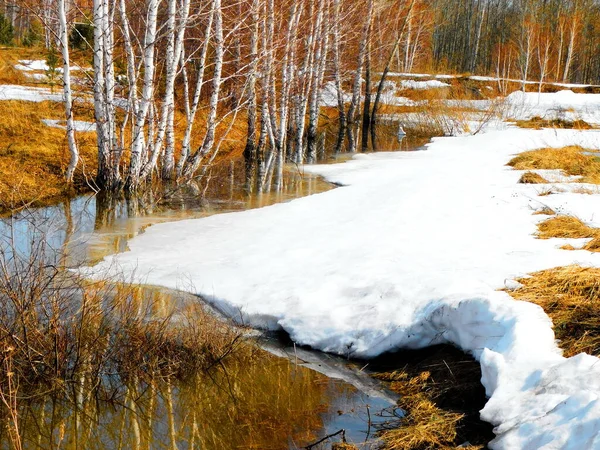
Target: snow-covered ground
[[29, 65], [78, 125], [409, 252], [28, 93], [422, 85], [565, 105]]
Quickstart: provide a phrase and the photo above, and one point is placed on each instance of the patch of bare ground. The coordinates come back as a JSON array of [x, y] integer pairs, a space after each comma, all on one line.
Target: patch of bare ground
[[441, 395], [572, 160]]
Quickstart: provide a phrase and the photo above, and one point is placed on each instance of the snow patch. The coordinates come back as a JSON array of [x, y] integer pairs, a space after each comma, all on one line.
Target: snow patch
[[409, 253], [78, 125], [28, 93], [422, 85], [28, 65]]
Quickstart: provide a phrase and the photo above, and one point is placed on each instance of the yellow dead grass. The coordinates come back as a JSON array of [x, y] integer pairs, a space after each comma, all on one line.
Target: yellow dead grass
[[441, 394], [34, 156], [571, 297], [532, 178], [572, 160], [537, 123], [570, 227], [425, 425], [545, 211]]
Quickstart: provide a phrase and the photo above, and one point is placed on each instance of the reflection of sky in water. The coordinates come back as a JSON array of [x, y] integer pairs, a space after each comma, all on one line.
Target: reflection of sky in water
[[52, 225], [353, 413]]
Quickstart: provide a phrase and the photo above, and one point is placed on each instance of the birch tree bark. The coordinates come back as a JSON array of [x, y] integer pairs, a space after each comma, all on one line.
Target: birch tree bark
[[194, 162], [139, 142], [67, 92], [250, 150], [356, 87]]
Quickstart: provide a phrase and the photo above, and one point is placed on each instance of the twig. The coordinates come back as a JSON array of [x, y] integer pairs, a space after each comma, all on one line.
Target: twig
[[342, 432]]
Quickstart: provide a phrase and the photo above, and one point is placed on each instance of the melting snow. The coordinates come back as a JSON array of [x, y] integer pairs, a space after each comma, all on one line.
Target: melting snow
[[79, 125], [28, 93], [421, 85], [27, 65], [410, 252]]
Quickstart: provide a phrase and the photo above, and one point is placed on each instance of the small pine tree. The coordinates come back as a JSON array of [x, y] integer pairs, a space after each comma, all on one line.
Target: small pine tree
[[34, 35], [6, 31], [52, 72], [82, 36]]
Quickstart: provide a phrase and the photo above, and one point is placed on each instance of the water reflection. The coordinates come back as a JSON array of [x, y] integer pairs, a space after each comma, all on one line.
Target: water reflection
[[254, 400], [251, 402]]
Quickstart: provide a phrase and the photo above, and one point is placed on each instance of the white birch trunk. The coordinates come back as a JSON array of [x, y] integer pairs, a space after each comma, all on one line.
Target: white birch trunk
[[570, 50], [356, 87], [211, 122], [67, 93], [147, 95], [185, 146]]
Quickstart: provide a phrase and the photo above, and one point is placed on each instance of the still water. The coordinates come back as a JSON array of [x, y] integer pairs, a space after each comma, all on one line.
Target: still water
[[283, 398]]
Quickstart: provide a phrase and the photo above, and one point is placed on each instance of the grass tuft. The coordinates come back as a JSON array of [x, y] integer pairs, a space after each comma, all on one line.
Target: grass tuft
[[573, 160], [565, 227], [545, 211], [440, 394], [570, 227], [537, 123], [532, 178], [571, 297]]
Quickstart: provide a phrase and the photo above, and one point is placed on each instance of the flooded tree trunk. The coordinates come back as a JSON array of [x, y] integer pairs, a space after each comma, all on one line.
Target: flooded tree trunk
[[338, 76], [104, 85], [318, 73], [191, 115], [366, 120], [139, 142], [384, 75], [356, 87], [250, 150]]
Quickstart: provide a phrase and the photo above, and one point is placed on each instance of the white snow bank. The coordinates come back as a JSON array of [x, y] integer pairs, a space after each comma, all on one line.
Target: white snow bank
[[78, 125], [329, 96], [565, 105], [409, 253], [28, 93], [422, 85]]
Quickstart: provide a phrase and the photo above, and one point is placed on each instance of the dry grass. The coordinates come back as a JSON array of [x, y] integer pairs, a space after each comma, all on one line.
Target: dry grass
[[571, 297], [570, 227], [572, 160], [441, 394], [545, 211], [537, 123], [425, 425], [532, 178], [8, 74], [34, 157]]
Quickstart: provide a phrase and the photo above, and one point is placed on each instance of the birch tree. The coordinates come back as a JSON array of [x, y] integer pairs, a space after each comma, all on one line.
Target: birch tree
[[63, 37]]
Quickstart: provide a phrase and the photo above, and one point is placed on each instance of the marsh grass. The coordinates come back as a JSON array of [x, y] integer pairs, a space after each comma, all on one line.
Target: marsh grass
[[532, 178], [441, 395], [571, 297], [545, 211], [570, 227], [572, 160], [537, 123], [83, 343]]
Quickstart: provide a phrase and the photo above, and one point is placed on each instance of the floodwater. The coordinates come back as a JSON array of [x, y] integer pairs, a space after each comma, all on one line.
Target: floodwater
[[281, 397]]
